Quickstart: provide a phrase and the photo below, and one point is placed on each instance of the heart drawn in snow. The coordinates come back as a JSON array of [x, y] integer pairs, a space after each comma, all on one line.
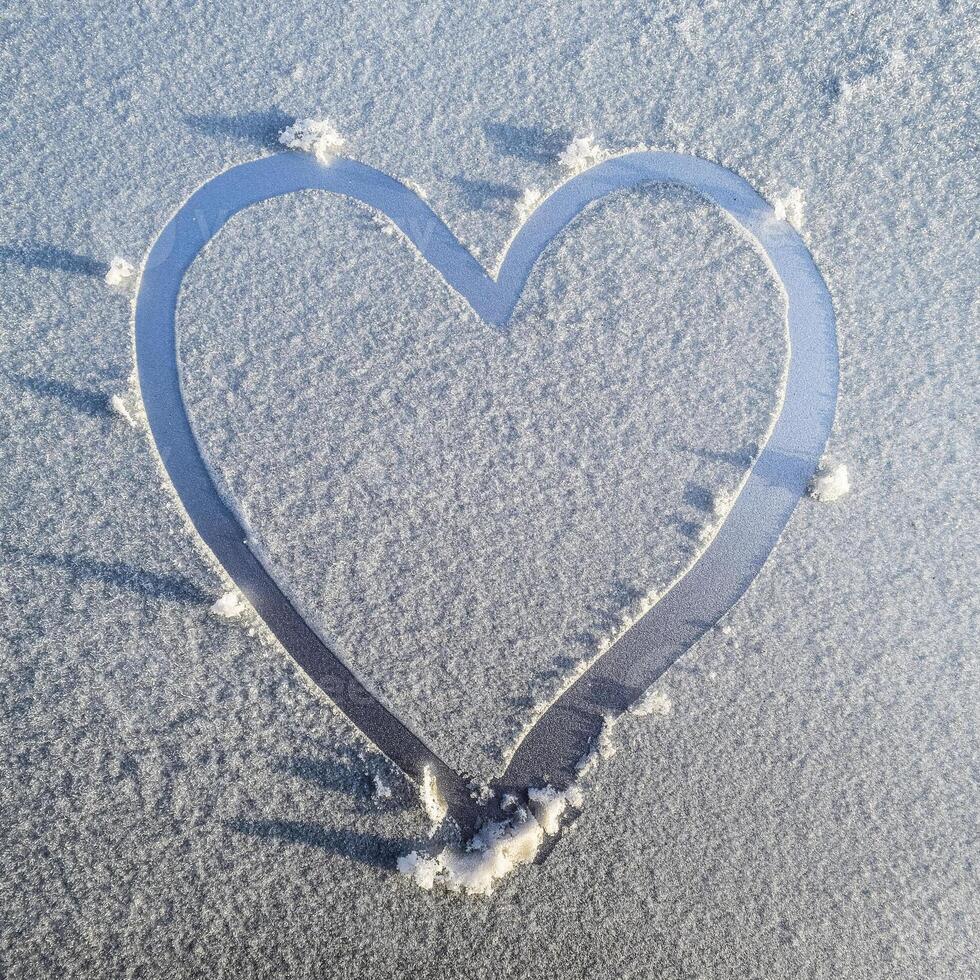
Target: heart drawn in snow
[[694, 603]]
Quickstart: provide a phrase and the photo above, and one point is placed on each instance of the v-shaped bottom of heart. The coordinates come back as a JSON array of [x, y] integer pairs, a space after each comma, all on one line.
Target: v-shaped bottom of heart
[[563, 733]]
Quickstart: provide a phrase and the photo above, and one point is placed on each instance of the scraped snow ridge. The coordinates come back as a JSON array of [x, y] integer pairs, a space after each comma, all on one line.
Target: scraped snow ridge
[[583, 152], [432, 801], [602, 748], [229, 606], [654, 702], [790, 208], [118, 405], [529, 200], [120, 273], [317, 136], [831, 482]]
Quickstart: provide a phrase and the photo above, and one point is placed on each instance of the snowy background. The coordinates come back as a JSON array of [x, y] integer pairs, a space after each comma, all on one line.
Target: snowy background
[[178, 802]]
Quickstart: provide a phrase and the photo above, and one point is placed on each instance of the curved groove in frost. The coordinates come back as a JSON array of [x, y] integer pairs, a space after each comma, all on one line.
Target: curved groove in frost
[[697, 600]]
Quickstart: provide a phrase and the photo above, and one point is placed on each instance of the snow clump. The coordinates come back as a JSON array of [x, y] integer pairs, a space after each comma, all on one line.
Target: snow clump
[[653, 703], [549, 804], [316, 136], [118, 406], [432, 801], [495, 851], [831, 482], [120, 273], [583, 152], [229, 606], [790, 208], [528, 202]]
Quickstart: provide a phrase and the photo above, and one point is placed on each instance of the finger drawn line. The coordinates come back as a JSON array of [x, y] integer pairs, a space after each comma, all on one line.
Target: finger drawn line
[[697, 599]]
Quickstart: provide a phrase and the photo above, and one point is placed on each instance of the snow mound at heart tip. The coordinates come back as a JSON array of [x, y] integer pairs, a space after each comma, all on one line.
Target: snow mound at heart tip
[[496, 850]]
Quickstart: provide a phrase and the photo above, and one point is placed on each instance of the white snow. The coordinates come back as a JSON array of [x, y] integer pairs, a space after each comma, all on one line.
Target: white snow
[[790, 207], [432, 801], [495, 851], [527, 202], [415, 186], [228, 606], [381, 789], [830, 483], [317, 136], [581, 153], [118, 405], [602, 748], [721, 502], [181, 840], [654, 702], [120, 273], [548, 804]]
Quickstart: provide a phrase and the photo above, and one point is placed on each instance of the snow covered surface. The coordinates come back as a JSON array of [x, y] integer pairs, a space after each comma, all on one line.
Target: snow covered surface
[[178, 802]]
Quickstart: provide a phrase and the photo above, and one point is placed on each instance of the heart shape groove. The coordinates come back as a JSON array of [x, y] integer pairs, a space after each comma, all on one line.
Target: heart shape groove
[[697, 599]]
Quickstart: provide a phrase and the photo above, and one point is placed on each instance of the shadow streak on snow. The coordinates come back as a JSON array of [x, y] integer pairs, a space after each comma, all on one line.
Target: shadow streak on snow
[[85, 400], [534, 143], [260, 128], [120, 575], [487, 195], [740, 459], [40, 255], [370, 849], [353, 780]]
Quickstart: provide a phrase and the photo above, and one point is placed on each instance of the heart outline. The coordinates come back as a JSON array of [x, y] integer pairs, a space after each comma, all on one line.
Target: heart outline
[[716, 579]]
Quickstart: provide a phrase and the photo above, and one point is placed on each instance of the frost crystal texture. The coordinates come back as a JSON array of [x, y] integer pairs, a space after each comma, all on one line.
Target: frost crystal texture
[[316, 136]]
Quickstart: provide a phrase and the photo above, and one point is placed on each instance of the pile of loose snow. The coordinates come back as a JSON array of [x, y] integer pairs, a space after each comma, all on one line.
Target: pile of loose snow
[[830, 483], [654, 702], [316, 136], [790, 208], [229, 606], [120, 273], [549, 804], [583, 152], [496, 850], [528, 201]]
